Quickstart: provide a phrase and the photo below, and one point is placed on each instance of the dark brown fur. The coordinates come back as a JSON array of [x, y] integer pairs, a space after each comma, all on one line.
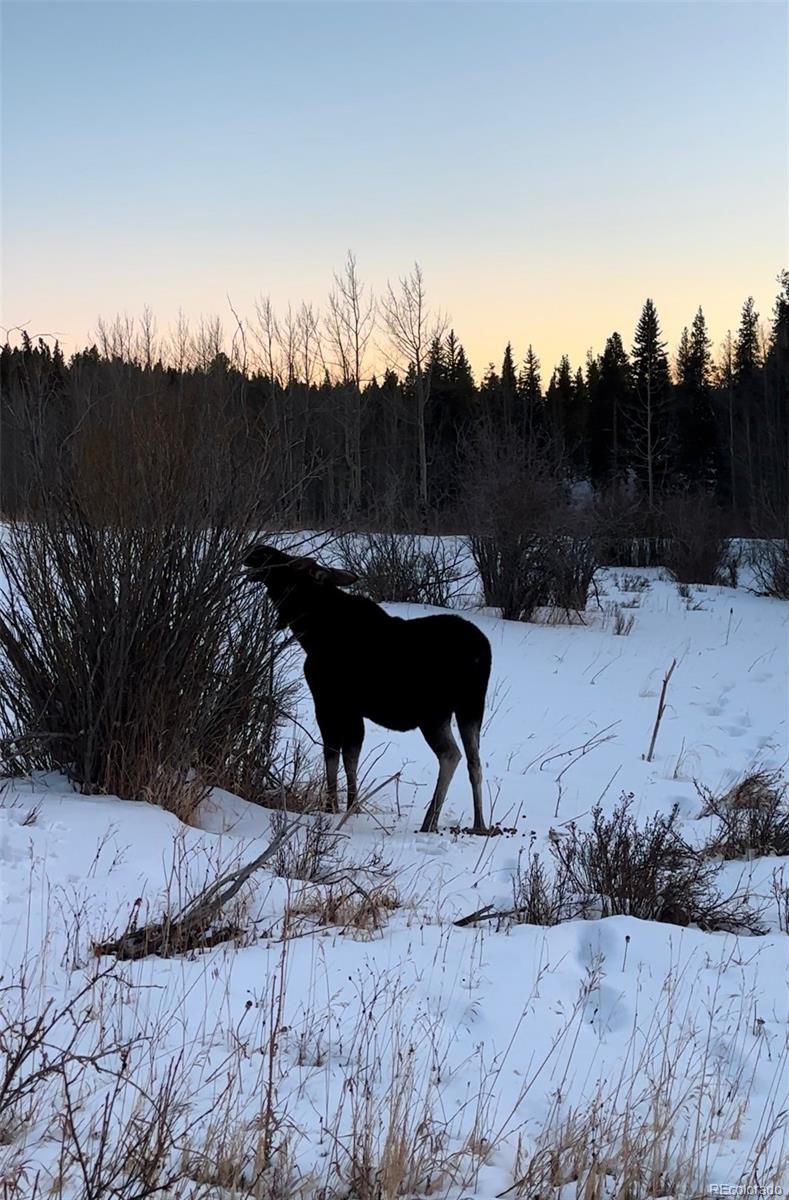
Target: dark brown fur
[[362, 662]]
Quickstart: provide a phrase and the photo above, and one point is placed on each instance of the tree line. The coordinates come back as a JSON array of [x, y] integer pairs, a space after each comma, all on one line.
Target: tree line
[[344, 444]]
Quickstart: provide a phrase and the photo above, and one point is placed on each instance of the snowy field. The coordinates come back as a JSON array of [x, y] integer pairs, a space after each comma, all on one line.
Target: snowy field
[[327, 1047]]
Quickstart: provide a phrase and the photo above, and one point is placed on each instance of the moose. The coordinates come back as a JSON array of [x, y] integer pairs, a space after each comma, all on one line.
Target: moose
[[361, 662]]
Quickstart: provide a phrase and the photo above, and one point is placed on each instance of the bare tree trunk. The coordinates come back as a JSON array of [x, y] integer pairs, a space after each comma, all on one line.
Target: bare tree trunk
[[650, 450], [411, 329], [349, 326]]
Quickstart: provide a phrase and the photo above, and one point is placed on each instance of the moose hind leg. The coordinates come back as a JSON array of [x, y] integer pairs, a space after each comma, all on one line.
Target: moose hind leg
[[352, 739], [440, 740], [331, 759], [469, 734]]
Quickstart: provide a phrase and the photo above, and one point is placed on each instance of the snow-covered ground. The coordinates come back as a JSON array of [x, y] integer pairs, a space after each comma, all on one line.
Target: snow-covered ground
[[463, 1054]]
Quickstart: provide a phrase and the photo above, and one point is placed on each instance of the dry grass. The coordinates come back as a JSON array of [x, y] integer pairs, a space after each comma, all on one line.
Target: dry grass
[[145, 1114], [656, 1128], [345, 905], [753, 816], [193, 918], [356, 896], [780, 890]]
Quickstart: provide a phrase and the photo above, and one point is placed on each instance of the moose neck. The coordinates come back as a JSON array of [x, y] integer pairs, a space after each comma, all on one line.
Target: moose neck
[[302, 606]]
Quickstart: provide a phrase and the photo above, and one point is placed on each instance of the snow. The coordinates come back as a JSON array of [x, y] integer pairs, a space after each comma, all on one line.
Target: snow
[[484, 1043]]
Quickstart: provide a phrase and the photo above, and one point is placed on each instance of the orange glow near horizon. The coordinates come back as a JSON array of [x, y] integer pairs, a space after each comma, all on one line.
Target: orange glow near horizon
[[550, 166], [554, 322]]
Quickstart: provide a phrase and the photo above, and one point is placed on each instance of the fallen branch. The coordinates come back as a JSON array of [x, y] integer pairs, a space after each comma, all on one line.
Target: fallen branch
[[34, 736], [487, 913], [194, 927]]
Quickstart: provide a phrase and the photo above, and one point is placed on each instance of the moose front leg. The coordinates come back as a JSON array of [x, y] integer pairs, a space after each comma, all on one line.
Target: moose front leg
[[331, 736]]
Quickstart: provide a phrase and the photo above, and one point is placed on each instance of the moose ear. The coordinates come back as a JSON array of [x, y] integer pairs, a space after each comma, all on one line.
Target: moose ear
[[341, 578], [323, 574]]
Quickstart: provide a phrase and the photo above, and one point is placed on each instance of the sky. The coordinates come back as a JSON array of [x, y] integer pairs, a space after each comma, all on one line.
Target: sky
[[548, 164]]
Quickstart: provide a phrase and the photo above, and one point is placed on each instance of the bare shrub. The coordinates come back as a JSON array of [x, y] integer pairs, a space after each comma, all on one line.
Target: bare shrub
[[633, 583], [694, 549], [403, 568], [511, 509], [540, 896], [531, 548], [36, 1048], [619, 622], [316, 853], [617, 528], [753, 816], [573, 562], [513, 572], [650, 871], [683, 532], [769, 561], [627, 534], [132, 657], [126, 1157], [618, 868]]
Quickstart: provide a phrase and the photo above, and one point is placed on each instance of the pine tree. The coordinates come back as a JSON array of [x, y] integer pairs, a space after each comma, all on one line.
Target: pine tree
[[650, 433], [508, 391], [725, 384], [695, 416], [609, 401], [532, 404], [450, 415], [747, 388], [746, 347], [558, 403], [776, 370], [577, 423], [489, 390], [462, 379]]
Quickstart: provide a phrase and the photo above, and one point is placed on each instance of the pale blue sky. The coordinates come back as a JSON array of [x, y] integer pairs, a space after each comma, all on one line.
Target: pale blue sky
[[549, 164]]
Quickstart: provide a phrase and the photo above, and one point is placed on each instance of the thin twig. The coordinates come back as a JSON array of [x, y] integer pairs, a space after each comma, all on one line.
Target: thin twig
[[661, 709]]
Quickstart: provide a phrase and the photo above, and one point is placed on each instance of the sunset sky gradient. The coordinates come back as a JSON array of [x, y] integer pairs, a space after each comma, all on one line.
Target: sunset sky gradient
[[548, 164]]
